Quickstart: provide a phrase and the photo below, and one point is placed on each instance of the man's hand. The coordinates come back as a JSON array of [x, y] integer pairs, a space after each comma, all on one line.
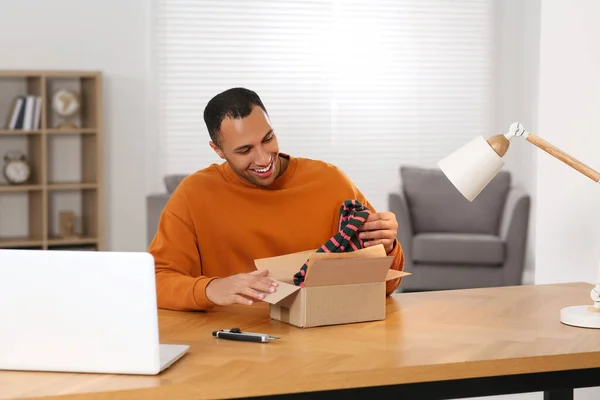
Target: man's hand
[[240, 288], [380, 228]]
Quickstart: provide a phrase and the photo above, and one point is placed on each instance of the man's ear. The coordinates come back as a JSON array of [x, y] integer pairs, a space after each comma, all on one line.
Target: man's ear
[[217, 149]]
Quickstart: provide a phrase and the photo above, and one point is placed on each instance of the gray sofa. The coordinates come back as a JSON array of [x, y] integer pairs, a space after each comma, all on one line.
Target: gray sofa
[[451, 243], [155, 203]]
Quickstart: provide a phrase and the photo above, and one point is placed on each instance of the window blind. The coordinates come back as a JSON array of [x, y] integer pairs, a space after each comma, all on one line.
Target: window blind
[[366, 85]]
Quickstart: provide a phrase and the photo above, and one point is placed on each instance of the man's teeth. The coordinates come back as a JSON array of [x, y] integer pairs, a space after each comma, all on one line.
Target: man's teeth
[[264, 169]]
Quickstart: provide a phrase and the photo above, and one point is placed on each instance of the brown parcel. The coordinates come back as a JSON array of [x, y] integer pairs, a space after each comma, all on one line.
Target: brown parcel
[[339, 288]]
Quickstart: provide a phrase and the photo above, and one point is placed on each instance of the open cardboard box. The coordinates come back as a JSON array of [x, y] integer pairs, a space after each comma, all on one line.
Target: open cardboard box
[[339, 288]]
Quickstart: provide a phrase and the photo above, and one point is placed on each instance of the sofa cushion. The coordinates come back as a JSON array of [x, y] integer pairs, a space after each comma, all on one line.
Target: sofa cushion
[[458, 248], [435, 205]]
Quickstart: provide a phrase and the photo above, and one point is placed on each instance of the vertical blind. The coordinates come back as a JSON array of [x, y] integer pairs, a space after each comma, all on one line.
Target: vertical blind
[[366, 85]]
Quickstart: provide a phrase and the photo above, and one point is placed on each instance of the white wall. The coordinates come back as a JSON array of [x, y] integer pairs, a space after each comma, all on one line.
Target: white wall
[[109, 36], [517, 55], [568, 216], [568, 243]]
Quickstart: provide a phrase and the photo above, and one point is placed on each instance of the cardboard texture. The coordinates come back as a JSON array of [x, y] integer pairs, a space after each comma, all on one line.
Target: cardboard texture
[[339, 288]]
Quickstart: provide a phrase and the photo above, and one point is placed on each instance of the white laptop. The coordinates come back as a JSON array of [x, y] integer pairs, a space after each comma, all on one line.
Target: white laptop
[[81, 311]]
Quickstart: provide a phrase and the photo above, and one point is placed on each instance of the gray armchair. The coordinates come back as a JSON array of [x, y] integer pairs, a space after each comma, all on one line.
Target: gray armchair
[[451, 243], [156, 202]]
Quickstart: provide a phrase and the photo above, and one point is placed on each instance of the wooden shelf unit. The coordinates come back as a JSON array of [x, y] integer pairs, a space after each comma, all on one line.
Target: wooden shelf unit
[[66, 164]]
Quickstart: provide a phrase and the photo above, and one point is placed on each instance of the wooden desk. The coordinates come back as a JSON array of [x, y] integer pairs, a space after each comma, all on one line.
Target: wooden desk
[[432, 345]]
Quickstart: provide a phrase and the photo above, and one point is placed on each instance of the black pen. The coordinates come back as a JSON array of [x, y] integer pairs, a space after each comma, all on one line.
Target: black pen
[[237, 334]]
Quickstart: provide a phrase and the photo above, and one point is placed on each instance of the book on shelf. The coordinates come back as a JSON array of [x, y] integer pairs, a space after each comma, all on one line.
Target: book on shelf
[[25, 113]]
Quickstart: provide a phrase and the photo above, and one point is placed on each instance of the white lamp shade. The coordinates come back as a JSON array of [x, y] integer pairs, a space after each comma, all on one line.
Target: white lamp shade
[[472, 167]]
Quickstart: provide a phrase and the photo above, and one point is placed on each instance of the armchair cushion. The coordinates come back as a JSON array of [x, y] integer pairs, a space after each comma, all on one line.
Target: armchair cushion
[[458, 248], [435, 205]]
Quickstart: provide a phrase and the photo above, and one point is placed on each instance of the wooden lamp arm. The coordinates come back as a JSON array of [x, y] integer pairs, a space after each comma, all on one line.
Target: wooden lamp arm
[[562, 156], [501, 142]]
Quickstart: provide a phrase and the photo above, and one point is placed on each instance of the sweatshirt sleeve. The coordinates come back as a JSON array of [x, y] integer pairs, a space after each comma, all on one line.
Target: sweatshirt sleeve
[[180, 284], [398, 265]]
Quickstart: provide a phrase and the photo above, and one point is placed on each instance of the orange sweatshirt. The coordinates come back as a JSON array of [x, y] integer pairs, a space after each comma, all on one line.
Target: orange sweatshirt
[[216, 225]]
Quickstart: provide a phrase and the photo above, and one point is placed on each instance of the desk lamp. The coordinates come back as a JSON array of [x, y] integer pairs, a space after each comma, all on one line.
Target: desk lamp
[[471, 167]]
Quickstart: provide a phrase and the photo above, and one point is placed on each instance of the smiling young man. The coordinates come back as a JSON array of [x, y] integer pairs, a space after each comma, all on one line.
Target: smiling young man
[[257, 203]]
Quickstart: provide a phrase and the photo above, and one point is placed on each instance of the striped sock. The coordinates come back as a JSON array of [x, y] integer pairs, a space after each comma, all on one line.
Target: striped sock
[[352, 216]]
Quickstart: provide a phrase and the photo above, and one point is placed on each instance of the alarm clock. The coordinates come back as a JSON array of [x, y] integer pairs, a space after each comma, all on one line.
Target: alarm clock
[[16, 169]]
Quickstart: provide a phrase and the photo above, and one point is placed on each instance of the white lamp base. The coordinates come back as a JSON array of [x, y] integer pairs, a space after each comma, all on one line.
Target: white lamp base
[[580, 316]]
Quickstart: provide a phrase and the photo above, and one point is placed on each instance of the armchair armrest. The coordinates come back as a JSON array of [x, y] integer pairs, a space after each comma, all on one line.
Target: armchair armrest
[[397, 205], [513, 231], [155, 203]]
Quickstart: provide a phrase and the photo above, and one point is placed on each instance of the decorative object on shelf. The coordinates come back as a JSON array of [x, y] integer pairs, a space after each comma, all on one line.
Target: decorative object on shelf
[[474, 165], [66, 105], [16, 168], [67, 224]]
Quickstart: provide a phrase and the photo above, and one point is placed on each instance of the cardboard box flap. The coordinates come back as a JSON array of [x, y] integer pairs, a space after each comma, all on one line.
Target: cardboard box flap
[[393, 274], [347, 271], [365, 265], [367, 252], [330, 275], [283, 290], [283, 268]]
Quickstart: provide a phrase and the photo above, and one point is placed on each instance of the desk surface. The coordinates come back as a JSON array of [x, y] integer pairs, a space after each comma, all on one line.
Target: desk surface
[[426, 337]]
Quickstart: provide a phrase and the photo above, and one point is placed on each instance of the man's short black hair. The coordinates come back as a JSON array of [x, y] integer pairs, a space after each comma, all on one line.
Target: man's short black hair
[[232, 103]]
